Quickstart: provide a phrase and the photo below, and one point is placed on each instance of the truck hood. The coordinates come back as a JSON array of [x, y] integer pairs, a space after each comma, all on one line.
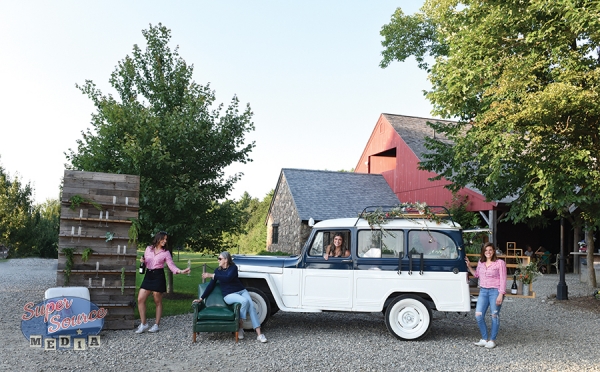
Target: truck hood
[[266, 264]]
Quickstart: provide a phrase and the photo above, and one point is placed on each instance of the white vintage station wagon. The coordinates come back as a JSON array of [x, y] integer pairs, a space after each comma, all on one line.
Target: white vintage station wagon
[[405, 268]]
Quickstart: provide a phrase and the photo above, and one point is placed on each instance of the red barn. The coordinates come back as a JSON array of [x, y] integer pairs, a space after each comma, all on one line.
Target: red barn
[[394, 150]]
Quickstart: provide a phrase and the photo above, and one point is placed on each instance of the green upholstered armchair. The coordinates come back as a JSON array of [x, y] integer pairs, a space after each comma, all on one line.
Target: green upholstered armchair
[[214, 315]]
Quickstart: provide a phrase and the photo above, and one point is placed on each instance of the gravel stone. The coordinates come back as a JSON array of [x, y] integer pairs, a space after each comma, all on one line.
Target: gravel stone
[[535, 335]]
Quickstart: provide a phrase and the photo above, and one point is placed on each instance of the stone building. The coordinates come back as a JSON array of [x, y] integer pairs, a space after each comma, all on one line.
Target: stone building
[[303, 195]]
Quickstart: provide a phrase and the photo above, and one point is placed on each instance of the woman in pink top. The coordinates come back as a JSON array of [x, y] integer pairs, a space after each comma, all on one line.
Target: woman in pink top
[[154, 282], [491, 272]]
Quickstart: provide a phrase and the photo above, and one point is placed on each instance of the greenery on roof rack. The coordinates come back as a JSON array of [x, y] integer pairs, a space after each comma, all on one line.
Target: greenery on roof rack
[[411, 211]]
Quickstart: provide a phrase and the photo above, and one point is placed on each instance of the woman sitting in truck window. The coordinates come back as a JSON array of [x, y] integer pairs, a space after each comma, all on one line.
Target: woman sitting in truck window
[[336, 249]]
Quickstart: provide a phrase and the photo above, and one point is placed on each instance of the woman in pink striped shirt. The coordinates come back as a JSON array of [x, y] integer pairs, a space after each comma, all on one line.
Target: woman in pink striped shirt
[[154, 282], [491, 272]]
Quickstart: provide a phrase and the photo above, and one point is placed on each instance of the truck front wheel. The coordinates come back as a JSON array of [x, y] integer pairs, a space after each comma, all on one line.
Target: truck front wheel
[[262, 306], [408, 317]]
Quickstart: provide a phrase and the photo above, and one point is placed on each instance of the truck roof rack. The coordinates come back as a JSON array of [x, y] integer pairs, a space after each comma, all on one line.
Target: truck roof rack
[[378, 214]]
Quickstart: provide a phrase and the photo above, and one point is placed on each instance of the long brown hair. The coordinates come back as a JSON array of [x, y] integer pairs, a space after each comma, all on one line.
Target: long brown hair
[[482, 257], [158, 237], [331, 246]]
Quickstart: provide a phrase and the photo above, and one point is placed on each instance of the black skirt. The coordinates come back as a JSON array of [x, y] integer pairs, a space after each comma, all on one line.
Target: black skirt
[[155, 281]]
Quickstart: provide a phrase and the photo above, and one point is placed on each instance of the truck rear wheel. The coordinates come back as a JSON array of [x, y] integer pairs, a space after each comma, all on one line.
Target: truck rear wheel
[[262, 306], [408, 317]]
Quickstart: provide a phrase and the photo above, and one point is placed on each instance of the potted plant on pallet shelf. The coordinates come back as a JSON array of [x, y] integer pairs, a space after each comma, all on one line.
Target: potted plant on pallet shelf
[[527, 274]]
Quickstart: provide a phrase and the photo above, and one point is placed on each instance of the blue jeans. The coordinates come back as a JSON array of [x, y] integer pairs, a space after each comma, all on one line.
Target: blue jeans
[[487, 298], [243, 297]]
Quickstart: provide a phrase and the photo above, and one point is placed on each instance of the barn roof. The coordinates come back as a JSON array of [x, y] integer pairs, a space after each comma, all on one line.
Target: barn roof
[[413, 130]]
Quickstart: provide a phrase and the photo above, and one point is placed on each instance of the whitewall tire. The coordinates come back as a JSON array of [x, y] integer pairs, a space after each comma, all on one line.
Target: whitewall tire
[[262, 306], [408, 317]]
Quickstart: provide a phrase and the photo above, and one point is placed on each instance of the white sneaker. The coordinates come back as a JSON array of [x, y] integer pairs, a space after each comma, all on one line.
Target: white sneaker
[[490, 344], [481, 342], [241, 334], [261, 338], [154, 329], [142, 328]]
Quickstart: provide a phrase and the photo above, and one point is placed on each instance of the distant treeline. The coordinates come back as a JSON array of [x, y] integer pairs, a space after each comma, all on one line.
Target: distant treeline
[[27, 230], [30, 230]]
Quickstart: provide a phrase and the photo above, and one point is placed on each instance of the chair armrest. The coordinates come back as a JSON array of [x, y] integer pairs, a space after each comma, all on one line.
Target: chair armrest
[[236, 306], [198, 306]]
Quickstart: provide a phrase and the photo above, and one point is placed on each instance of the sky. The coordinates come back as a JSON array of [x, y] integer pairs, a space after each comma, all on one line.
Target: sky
[[309, 70]]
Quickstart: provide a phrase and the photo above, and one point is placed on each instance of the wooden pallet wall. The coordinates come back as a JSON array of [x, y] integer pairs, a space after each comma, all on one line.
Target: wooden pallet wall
[[81, 227]]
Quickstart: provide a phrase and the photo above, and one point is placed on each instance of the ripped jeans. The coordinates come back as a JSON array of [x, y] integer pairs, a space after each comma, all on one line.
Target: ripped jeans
[[487, 298]]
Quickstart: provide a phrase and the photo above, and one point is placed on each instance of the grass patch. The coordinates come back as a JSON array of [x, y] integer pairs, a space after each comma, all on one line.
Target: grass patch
[[185, 287]]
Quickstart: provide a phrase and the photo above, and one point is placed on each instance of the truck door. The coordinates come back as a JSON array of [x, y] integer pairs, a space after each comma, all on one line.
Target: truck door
[[327, 283]]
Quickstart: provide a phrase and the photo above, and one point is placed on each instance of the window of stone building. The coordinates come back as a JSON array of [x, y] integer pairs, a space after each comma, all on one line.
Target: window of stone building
[[275, 237]]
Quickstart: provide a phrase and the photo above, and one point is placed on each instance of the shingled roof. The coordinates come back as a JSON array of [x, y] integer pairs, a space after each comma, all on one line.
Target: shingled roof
[[413, 130], [324, 195]]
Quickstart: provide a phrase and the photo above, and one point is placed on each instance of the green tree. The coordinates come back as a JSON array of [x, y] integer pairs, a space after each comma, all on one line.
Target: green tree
[[167, 129], [458, 210], [255, 238], [252, 237], [15, 215], [227, 221], [467, 220], [46, 226], [522, 77]]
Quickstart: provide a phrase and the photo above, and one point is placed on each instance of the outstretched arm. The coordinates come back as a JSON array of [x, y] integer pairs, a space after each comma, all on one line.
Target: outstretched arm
[[174, 269]]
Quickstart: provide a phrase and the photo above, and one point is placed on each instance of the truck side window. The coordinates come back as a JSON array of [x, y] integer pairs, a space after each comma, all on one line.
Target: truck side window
[[322, 239], [380, 244], [316, 249], [432, 244]]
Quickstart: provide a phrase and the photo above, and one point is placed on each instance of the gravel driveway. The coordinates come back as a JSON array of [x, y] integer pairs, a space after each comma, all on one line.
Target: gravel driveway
[[535, 335]]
